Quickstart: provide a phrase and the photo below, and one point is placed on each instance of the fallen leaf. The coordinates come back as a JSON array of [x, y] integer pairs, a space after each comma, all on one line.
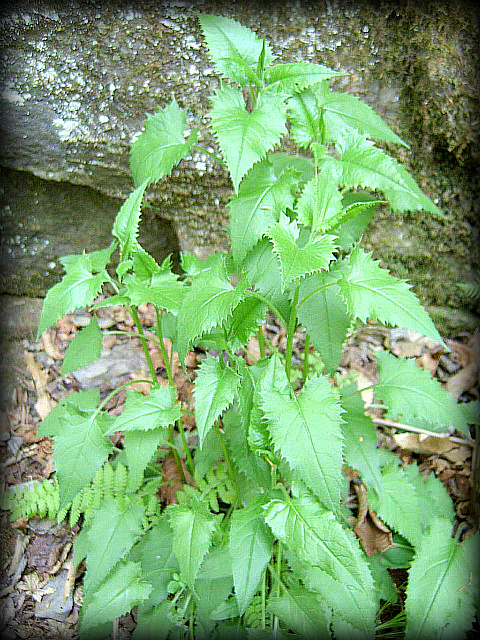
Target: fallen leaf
[[463, 380], [373, 534], [173, 479], [49, 345], [44, 404]]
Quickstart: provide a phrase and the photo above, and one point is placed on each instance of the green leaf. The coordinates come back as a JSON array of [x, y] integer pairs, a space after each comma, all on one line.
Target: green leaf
[[360, 439], [80, 449], [118, 594], [262, 269], [342, 111], [442, 585], [298, 261], [215, 388], [85, 347], [365, 165], [214, 585], [306, 430], [208, 303], [155, 623], [398, 506], [154, 284], [55, 422], [302, 611], [413, 396], [304, 115], [159, 409], [162, 144], [193, 528], [250, 545], [324, 314], [154, 552], [111, 534], [330, 557], [125, 226], [244, 138], [264, 193], [235, 49], [293, 78], [246, 318], [82, 282], [321, 199], [140, 446], [371, 292]]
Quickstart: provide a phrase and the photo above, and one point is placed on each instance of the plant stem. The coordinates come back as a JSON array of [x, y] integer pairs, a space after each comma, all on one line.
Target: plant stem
[[134, 314], [291, 330], [261, 342], [211, 154], [228, 464], [257, 295]]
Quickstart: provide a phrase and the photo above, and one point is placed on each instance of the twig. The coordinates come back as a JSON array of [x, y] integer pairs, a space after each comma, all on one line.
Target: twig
[[406, 427]]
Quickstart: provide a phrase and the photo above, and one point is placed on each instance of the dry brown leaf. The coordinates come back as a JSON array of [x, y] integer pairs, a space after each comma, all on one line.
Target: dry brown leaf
[[253, 350], [462, 381], [44, 404], [429, 445], [172, 476], [143, 387], [48, 339], [373, 534], [404, 349], [429, 360], [367, 395]]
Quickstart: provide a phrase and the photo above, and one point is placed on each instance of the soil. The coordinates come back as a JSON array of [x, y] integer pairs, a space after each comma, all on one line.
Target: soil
[[36, 551]]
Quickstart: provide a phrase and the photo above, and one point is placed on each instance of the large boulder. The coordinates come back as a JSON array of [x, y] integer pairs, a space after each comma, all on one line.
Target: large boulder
[[79, 79]]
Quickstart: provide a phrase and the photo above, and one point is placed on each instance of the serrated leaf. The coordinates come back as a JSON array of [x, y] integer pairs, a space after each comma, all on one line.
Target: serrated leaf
[[215, 388], [245, 137], [154, 623], [442, 585], [163, 289], [297, 261], [324, 314], [398, 506], [250, 544], [333, 564], [82, 282], [111, 534], [343, 110], [321, 199], [140, 446], [193, 528], [294, 77], [159, 409], [302, 611], [305, 429], [246, 318], [122, 590], [85, 347], [371, 292], [365, 165], [264, 193], [412, 395], [214, 584], [360, 439], [235, 49], [80, 449], [84, 400], [154, 552], [162, 144], [125, 226], [262, 269], [304, 115], [207, 304]]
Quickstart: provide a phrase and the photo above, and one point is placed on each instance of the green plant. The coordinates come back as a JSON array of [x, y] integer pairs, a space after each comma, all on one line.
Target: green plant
[[263, 546]]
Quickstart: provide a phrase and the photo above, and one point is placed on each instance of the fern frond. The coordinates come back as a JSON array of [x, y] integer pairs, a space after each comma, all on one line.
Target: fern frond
[[472, 289], [255, 613]]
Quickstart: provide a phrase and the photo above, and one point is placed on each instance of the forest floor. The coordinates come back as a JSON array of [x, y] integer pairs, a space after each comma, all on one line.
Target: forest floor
[[40, 591]]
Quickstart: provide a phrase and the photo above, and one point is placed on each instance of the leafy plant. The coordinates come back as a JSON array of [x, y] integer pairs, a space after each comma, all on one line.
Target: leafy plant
[[263, 545]]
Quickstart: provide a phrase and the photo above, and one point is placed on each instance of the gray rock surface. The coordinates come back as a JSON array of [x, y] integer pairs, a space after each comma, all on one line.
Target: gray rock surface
[[77, 80]]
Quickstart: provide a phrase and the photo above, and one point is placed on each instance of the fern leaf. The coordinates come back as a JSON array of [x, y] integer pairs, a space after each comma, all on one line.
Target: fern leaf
[[371, 292], [306, 431], [244, 138], [161, 146]]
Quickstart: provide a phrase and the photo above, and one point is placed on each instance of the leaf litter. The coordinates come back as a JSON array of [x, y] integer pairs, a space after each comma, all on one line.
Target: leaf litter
[[28, 562]]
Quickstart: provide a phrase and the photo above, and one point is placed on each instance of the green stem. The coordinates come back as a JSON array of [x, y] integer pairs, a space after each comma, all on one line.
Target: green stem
[[134, 314], [257, 295], [228, 464], [291, 330], [306, 353]]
